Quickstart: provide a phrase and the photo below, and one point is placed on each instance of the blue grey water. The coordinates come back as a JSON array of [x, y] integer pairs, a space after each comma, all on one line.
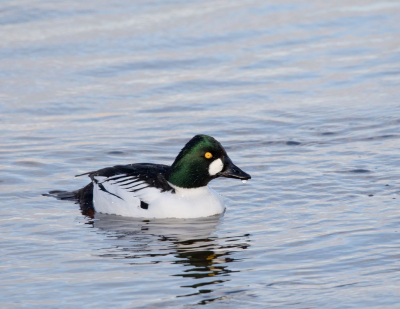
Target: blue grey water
[[304, 95]]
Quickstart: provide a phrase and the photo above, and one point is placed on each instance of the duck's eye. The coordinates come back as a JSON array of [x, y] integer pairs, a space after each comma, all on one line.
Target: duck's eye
[[208, 155]]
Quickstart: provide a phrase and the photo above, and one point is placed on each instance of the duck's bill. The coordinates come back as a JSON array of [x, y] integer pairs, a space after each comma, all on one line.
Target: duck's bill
[[232, 171]]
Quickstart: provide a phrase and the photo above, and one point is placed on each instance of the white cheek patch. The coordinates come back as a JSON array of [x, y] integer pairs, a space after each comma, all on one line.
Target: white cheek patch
[[215, 167]]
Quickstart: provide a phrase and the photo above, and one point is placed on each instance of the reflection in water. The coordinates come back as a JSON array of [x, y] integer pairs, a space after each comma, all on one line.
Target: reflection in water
[[192, 243]]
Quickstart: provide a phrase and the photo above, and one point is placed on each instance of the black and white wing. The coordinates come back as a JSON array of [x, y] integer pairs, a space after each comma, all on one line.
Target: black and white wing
[[133, 185], [120, 189]]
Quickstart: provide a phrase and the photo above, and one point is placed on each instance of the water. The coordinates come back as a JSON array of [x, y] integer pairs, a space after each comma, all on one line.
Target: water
[[304, 95]]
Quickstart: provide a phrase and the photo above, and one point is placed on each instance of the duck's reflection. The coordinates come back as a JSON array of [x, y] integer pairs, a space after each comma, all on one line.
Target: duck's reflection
[[192, 243]]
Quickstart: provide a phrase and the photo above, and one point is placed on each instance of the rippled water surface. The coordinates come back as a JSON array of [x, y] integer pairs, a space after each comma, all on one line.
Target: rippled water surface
[[304, 95]]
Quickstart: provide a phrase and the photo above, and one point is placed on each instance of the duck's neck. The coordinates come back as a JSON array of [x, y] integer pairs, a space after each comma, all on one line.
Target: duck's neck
[[189, 192], [188, 175]]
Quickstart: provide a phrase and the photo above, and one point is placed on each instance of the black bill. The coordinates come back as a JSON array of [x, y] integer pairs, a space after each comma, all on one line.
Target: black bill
[[232, 171]]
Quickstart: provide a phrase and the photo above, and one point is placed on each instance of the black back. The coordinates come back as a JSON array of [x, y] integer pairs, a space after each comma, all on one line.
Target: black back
[[155, 175]]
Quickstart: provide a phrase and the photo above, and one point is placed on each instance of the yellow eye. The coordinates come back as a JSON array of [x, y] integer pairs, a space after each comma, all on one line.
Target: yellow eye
[[208, 155]]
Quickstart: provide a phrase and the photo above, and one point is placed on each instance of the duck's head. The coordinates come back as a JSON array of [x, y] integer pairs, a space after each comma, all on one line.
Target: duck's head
[[201, 160]]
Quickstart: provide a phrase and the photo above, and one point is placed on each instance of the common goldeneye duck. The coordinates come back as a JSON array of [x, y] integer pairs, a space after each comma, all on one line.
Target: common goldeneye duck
[[160, 191]]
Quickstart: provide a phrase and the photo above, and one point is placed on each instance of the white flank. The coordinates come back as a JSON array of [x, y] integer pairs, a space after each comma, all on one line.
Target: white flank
[[215, 167], [185, 203]]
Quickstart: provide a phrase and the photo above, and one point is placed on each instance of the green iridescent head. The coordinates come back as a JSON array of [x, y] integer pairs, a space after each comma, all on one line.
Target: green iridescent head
[[201, 160]]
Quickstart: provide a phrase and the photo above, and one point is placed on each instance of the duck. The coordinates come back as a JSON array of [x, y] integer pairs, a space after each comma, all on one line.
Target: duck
[[148, 190]]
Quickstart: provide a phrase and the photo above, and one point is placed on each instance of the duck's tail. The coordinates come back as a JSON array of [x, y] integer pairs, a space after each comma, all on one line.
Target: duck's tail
[[83, 197], [62, 195]]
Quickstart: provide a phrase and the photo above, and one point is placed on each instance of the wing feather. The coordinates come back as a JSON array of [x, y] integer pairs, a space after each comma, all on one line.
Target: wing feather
[[128, 182]]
